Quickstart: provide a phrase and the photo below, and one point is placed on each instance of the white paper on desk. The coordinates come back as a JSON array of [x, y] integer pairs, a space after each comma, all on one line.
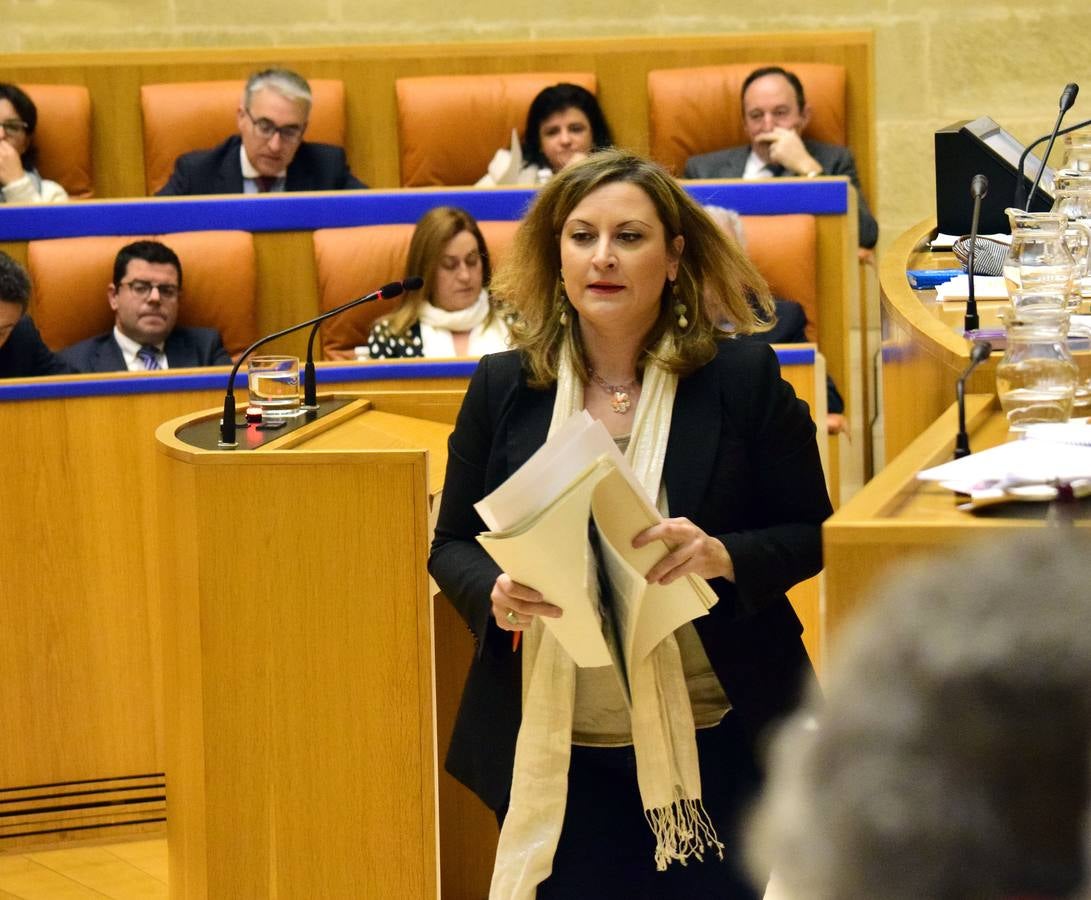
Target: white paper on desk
[[1021, 462], [986, 287], [946, 241]]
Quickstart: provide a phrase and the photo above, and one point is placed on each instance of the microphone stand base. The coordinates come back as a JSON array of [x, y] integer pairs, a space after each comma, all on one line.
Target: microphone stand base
[[222, 446]]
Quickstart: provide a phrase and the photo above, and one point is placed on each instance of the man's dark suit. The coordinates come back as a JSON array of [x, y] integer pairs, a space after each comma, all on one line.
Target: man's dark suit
[[316, 167], [185, 347], [834, 160], [742, 463], [25, 355], [791, 328]]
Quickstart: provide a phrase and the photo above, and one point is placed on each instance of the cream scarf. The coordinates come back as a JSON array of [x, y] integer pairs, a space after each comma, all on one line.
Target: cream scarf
[[664, 737]]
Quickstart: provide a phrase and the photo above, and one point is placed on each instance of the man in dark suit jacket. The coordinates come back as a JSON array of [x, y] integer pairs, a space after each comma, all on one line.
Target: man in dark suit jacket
[[23, 353], [269, 153], [144, 295], [775, 114]]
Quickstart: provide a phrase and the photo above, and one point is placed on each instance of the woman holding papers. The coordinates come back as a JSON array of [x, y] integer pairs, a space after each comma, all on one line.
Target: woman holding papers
[[564, 124], [620, 281]]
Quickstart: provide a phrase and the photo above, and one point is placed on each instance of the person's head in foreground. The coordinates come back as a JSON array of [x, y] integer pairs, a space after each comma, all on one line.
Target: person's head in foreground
[[950, 757], [145, 291], [272, 118], [449, 252], [564, 124], [614, 249]]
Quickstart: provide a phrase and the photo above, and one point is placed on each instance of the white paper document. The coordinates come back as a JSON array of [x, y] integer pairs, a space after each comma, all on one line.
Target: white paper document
[[564, 524], [986, 287]]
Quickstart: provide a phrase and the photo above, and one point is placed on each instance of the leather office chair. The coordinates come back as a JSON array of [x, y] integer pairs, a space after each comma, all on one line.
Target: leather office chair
[[450, 126], [699, 110], [353, 261], [197, 115], [63, 135], [785, 250], [69, 277]]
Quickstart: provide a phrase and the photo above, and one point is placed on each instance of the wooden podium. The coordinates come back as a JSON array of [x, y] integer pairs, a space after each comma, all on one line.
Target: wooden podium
[[298, 651]]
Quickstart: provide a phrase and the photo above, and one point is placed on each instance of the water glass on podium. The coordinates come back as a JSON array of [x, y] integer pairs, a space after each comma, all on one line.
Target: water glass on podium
[[274, 385]]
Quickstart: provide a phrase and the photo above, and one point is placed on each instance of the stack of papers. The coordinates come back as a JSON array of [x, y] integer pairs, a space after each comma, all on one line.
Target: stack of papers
[[1026, 469], [986, 287], [564, 524]]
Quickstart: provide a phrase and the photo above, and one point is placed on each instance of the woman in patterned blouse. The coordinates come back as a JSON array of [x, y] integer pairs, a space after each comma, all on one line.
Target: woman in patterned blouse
[[451, 315]]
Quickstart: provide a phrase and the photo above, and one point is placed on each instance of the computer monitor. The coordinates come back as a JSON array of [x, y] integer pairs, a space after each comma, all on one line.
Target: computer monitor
[[965, 149]]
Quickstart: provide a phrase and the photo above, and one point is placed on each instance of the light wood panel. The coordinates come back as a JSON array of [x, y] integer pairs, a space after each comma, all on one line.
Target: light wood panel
[[896, 519], [135, 870], [369, 72]]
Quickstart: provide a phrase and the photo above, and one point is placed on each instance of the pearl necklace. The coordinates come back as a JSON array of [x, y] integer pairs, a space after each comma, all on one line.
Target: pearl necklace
[[620, 402]]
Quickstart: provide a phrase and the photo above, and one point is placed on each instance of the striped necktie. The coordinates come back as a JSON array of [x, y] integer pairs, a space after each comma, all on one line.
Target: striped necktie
[[149, 355]]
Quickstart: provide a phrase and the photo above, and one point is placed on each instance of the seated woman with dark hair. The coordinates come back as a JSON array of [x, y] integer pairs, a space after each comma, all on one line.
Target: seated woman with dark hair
[[19, 179], [451, 315], [564, 124]]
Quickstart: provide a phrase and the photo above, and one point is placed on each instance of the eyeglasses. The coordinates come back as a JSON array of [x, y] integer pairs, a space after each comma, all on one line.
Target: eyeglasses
[[14, 127], [266, 128], [143, 289]]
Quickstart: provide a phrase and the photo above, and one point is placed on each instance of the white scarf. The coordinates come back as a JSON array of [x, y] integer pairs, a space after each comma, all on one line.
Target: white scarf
[[664, 736], [456, 319]]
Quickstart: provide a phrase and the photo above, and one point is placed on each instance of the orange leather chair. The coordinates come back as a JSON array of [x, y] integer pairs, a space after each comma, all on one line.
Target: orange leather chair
[[353, 261], [450, 126], [785, 251], [699, 110], [198, 115], [69, 277], [63, 135]]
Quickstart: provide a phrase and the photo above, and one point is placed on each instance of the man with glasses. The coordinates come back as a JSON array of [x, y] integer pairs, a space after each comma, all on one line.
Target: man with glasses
[[269, 153], [23, 353], [144, 296]]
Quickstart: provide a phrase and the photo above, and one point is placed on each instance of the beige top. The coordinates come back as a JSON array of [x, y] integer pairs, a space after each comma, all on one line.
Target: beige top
[[601, 715]]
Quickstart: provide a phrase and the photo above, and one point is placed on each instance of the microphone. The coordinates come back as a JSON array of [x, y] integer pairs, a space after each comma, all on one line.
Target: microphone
[[979, 187], [386, 292], [978, 354], [227, 423], [1068, 97]]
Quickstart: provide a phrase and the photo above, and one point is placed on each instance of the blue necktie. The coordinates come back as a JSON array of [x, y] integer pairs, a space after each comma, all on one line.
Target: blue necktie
[[149, 355]]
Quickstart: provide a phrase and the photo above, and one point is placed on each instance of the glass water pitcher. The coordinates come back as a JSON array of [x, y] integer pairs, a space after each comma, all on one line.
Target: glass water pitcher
[[1036, 379], [1040, 258]]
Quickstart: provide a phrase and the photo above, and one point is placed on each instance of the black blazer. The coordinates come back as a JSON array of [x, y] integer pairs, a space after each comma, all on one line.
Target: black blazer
[[25, 355], [834, 160], [316, 167], [185, 347], [741, 462]]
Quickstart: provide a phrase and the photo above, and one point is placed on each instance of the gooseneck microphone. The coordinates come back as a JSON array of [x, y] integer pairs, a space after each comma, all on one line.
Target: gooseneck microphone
[[1068, 97], [978, 354], [394, 289], [227, 423], [979, 187]]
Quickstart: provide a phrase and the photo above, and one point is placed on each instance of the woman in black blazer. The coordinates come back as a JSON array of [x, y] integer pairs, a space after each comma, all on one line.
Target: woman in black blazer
[[620, 281]]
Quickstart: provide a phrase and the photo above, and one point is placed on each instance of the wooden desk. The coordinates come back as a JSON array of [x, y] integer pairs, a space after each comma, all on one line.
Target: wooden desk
[[80, 669], [896, 519]]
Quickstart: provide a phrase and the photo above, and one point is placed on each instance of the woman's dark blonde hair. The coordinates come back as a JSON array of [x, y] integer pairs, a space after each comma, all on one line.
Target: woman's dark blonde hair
[[434, 230], [716, 282]]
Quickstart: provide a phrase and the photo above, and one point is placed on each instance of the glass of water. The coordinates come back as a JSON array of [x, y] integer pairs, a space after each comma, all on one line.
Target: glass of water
[[1036, 379], [274, 385]]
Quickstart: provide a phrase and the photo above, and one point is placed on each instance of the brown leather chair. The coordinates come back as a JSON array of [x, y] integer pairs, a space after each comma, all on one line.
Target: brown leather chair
[[699, 110], [450, 126], [785, 251], [69, 277], [198, 115], [63, 135], [353, 261]]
